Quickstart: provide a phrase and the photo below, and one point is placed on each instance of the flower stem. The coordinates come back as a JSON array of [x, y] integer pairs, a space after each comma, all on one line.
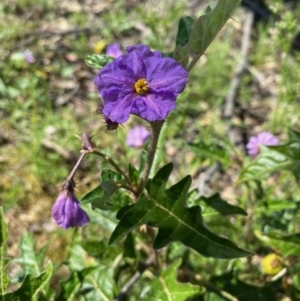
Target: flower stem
[[112, 163], [155, 129], [71, 175]]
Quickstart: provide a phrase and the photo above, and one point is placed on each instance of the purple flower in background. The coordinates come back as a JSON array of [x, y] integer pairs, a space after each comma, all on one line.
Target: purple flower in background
[[28, 56], [141, 82], [137, 136], [263, 138], [114, 50], [67, 211]]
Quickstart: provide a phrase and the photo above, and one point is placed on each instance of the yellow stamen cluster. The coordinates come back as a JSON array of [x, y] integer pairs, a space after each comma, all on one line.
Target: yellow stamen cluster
[[141, 86]]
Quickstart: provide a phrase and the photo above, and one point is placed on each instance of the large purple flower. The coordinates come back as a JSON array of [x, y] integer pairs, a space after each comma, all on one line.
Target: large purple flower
[[263, 138], [67, 211], [137, 136], [141, 82]]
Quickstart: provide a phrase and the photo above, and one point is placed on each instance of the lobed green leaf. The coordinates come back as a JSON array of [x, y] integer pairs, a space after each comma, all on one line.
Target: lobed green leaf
[[30, 287], [166, 210]]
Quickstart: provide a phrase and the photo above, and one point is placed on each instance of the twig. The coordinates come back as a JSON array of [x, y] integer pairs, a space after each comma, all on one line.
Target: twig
[[234, 86], [135, 277]]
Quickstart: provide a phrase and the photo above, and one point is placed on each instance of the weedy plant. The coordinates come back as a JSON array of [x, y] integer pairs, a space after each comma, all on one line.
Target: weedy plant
[[168, 240]]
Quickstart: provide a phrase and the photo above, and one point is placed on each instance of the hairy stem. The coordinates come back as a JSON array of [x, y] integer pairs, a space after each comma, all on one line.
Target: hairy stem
[[155, 129], [71, 175]]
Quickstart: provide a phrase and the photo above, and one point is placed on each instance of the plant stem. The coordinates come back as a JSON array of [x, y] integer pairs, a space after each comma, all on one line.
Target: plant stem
[[112, 163], [71, 175], [155, 129]]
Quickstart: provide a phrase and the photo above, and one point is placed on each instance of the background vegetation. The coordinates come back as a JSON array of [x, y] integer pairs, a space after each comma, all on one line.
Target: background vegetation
[[46, 102]]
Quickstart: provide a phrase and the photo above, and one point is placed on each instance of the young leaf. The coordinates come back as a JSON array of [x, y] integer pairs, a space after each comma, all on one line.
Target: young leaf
[[216, 202], [205, 30], [98, 61], [99, 197], [30, 287], [4, 280], [165, 287], [166, 209]]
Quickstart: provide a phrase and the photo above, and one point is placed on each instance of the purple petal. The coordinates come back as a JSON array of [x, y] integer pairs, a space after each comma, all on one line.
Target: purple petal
[[118, 107], [137, 136], [114, 50], [154, 106], [67, 211], [166, 75], [255, 142]]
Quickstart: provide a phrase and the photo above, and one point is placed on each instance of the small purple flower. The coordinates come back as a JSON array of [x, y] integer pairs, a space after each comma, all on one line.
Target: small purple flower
[[141, 82], [66, 210], [28, 56], [137, 136], [114, 50], [263, 138]]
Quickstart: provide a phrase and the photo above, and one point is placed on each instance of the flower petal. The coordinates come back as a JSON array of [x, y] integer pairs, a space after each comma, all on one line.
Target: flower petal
[[166, 75], [67, 211], [118, 107], [154, 106]]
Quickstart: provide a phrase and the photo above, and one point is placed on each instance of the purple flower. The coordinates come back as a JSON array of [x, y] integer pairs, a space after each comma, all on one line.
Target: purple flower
[[28, 56], [137, 136], [141, 82], [263, 138], [66, 210], [114, 50]]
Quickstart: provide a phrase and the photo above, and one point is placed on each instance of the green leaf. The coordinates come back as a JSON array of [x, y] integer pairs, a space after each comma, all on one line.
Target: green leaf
[[99, 197], [216, 202], [4, 280], [166, 209], [287, 244], [28, 259], [165, 287], [98, 61], [31, 286], [133, 174], [184, 31], [205, 30], [275, 158]]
